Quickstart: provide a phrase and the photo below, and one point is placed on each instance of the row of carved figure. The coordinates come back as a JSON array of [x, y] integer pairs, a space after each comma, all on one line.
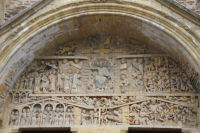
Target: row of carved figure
[[147, 112], [152, 111], [39, 116], [95, 102], [52, 78], [153, 74], [61, 117], [89, 101]]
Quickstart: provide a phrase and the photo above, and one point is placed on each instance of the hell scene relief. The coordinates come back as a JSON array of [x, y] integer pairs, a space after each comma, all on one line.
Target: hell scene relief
[[103, 83]]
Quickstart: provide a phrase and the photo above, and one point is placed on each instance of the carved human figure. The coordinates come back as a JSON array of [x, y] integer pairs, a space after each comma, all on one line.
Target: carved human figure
[[16, 98], [30, 82], [24, 84], [104, 102], [161, 83], [149, 65], [96, 117], [37, 85], [149, 85], [59, 68], [76, 64], [136, 71], [84, 117], [91, 117], [124, 83], [185, 113], [156, 62], [47, 114], [64, 66], [61, 116], [23, 117], [56, 116], [102, 76], [67, 82], [134, 114], [76, 84], [160, 114], [117, 116], [116, 100], [103, 117], [28, 116], [22, 98], [112, 117], [175, 116], [69, 116], [123, 65], [143, 114], [14, 117], [52, 79], [137, 65], [91, 85], [60, 81], [36, 115], [45, 82]]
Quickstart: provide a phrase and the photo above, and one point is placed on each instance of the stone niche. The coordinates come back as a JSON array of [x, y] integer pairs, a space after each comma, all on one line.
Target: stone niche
[[103, 81]]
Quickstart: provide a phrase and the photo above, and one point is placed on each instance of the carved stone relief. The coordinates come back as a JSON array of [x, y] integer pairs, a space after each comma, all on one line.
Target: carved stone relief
[[98, 75], [154, 111], [104, 84], [104, 110]]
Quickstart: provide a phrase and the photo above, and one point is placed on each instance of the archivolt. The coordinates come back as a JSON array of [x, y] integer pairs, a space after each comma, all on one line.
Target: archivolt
[[185, 49]]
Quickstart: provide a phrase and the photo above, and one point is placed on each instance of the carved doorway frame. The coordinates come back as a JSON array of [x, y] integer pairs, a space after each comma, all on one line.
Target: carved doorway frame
[[153, 129], [62, 129]]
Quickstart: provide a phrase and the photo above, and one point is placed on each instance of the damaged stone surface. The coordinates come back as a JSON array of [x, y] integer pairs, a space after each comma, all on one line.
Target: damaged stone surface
[[39, 31]]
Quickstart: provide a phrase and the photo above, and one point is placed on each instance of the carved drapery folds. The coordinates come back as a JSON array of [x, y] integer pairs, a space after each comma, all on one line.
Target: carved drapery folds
[[106, 110], [126, 74], [104, 85], [52, 90]]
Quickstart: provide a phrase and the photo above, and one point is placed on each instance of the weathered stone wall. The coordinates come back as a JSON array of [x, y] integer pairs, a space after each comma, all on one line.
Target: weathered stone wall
[[193, 5], [15, 6], [20, 41], [2, 10]]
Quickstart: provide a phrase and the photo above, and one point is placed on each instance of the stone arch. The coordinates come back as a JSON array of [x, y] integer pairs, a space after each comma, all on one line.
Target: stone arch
[[186, 39], [158, 27]]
